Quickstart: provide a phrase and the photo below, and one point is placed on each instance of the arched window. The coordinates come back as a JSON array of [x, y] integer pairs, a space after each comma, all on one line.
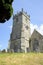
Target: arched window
[[35, 45]]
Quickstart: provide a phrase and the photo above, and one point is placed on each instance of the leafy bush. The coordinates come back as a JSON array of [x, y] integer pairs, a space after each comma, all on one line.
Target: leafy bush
[[6, 10]]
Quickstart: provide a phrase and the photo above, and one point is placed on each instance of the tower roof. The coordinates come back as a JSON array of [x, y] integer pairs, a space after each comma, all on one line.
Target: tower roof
[[36, 34]]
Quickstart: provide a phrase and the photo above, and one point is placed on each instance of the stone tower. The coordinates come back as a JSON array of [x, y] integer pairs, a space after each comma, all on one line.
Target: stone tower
[[19, 38]]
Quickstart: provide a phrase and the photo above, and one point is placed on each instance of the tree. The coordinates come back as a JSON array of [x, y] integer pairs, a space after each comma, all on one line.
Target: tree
[[6, 10], [3, 51]]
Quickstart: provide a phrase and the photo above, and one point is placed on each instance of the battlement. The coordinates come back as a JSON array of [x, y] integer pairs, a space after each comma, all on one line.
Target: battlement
[[22, 12]]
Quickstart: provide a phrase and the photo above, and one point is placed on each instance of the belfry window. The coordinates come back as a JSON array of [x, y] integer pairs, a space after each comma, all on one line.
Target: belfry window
[[27, 27]]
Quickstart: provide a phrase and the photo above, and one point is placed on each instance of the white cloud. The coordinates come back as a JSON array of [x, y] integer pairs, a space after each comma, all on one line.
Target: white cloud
[[10, 27], [38, 28]]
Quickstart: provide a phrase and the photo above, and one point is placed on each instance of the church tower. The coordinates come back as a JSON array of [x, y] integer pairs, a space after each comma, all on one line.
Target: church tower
[[19, 38]]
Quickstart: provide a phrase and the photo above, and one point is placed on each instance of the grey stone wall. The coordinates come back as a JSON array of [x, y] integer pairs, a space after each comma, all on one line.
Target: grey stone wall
[[36, 42], [19, 38]]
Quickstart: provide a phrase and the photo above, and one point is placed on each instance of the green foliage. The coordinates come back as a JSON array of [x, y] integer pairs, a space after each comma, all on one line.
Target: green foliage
[[6, 10]]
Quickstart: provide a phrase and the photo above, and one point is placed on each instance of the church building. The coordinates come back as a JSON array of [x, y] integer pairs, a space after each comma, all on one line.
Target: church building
[[20, 35], [21, 39], [36, 42]]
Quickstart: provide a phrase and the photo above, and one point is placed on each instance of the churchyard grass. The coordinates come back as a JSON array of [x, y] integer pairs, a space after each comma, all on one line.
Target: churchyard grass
[[21, 58]]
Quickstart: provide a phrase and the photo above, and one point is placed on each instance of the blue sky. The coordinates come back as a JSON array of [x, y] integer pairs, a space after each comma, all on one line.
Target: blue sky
[[34, 8]]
